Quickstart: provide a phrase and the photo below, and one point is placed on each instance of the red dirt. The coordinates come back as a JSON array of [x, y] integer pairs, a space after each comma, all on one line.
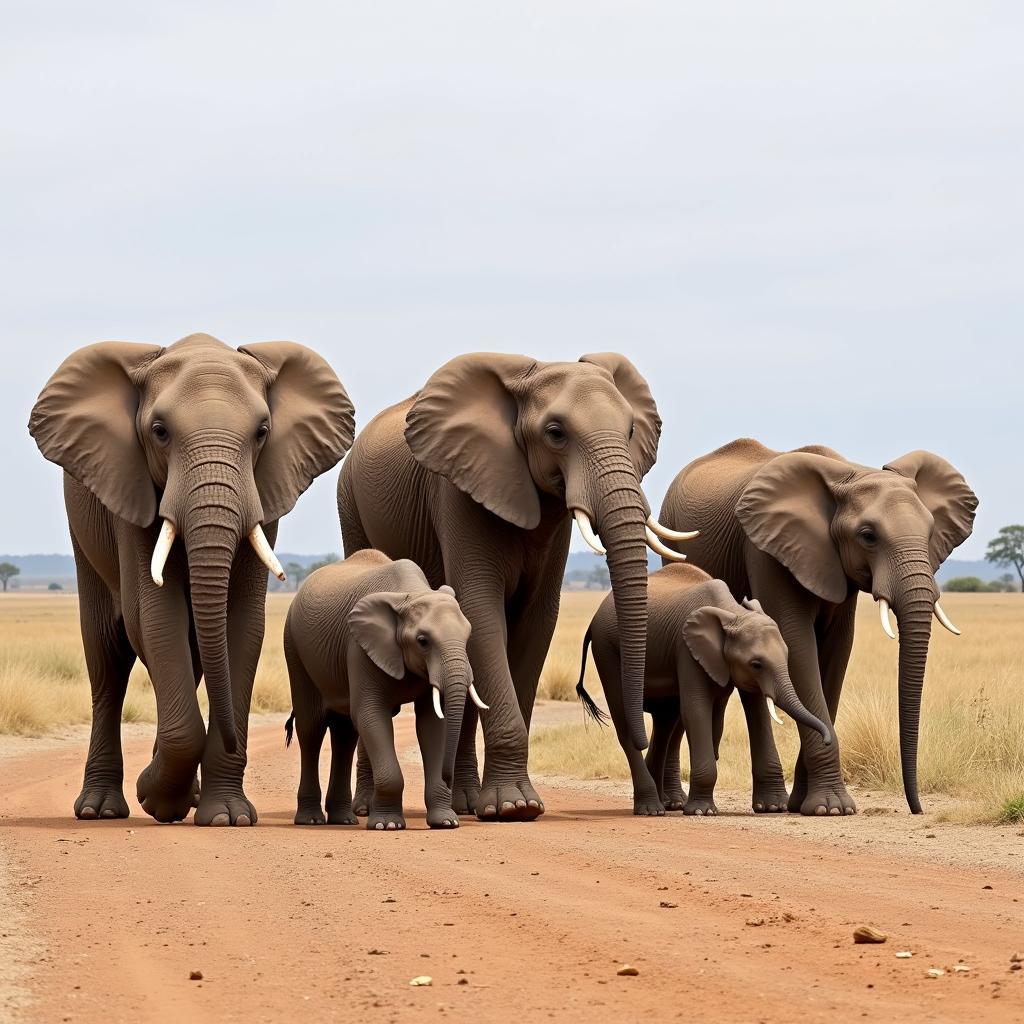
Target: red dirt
[[104, 921]]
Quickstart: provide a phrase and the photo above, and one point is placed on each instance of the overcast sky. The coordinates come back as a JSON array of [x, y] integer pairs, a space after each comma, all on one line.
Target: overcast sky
[[802, 221]]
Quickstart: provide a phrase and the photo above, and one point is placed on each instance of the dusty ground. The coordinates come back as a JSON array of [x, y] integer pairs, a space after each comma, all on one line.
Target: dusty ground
[[731, 919]]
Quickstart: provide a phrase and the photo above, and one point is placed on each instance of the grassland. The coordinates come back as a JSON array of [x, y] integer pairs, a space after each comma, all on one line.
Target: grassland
[[972, 736]]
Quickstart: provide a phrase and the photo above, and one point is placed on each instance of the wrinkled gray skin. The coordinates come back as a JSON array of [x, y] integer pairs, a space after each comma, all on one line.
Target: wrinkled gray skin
[[363, 637], [476, 479], [701, 644], [214, 441], [803, 532]]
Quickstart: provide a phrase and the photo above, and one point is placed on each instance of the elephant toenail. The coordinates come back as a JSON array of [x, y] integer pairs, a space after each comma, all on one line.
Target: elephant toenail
[[243, 819], [88, 813], [220, 819]]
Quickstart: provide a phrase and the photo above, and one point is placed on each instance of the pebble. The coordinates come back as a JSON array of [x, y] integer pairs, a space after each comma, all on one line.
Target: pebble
[[627, 971], [422, 979], [904, 954], [195, 975], [865, 933]]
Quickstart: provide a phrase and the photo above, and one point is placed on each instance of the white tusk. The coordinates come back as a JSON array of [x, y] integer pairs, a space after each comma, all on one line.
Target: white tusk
[[771, 711], [475, 698], [259, 541], [164, 543], [437, 703], [587, 531], [944, 619], [655, 545], [666, 534], [883, 611]]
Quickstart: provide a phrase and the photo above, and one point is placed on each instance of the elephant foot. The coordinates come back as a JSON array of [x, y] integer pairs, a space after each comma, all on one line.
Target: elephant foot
[[674, 801], [341, 816], [509, 801], [100, 801], [361, 801], [442, 817], [385, 821], [769, 798], [466, 795], [162, 799], [225, 809], [648, 807], [700, 807], [828, 799], [309, 814]]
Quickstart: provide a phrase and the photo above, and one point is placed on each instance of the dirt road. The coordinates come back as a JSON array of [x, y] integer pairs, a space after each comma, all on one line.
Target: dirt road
[[732, 919]]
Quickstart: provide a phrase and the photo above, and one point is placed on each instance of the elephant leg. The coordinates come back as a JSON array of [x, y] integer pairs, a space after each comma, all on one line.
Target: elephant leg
[[430, 732], [109, 659], [377, 733], [310, 727], [364, 782], [223, 800], [698, 714], [339, 790], [646, 800], [466, 784], [665, 737], [769, 794], [529, 637]]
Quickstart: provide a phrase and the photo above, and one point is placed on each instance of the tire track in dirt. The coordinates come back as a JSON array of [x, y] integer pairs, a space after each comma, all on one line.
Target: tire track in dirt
[[528, 921]]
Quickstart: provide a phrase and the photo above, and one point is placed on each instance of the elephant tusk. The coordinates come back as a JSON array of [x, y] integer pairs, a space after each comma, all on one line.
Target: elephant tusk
[[437, 703], [666, 534], [475, 698], [944, 619], [162, 548], [655, 545], [587, 532], [261, 545], [771, 711], [883, 611]]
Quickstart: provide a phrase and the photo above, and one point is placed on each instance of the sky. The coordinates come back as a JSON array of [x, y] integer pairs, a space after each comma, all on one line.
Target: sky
[[803, 222]]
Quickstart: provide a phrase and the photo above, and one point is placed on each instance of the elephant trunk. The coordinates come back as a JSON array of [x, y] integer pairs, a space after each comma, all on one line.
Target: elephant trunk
[[212, 529], [913, 602], [455, 677], [785, 696], [621, 513]]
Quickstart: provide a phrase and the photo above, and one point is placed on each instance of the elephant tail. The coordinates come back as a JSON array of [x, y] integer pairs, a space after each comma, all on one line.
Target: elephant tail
[[288, 727], [590, 706]]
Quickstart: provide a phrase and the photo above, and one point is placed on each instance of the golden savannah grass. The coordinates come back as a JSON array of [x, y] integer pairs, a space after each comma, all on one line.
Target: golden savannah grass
[[972, 732]]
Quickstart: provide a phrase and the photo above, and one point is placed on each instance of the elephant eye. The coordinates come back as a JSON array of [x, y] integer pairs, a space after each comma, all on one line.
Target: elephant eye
[[261, 431], [755, 664], [555, 434], [867, 534], [632, 430], [423, 640], [160, 432]]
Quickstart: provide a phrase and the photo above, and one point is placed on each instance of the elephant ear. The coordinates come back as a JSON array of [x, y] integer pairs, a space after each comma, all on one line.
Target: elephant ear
[[85, 421], [704, 633], [945, 494], [647, 423], [787, 509], [374, 624], [312, 423], [462, 426]]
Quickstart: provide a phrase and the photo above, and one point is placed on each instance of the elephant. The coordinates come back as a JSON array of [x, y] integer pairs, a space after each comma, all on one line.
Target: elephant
[[701, 644], [804, 531], [477, 478], [214, 444], [361, 638]]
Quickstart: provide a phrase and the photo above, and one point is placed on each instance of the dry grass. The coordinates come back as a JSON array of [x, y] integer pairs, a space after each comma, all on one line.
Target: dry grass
[[972, 733], [972, 737]]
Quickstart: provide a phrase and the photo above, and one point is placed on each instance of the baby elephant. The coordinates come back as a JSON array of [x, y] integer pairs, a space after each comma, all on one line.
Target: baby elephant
[[363, 637], [700, 643]]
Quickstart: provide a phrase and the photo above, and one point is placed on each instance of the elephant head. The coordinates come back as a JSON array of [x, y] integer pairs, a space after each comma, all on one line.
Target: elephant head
[[426, 634], [837, 526], [214, 440], [508, 430], [747, 649]]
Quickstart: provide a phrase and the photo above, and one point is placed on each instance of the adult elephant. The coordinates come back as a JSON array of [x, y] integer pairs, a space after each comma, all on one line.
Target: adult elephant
[[217, 443], [803, 532], [477, 479]]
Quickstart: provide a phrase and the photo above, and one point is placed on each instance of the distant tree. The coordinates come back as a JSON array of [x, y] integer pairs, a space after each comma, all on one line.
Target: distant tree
[[966, 585], [598, 577], [54, 586], [1008, 582], [296, 573], [7, 573], [1007, 549]]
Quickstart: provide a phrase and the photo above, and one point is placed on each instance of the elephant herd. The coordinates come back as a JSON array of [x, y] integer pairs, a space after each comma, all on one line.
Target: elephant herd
[[456, 509]]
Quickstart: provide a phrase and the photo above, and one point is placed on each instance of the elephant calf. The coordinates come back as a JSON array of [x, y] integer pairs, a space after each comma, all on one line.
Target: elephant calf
[[363, 637], [700, 644]]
